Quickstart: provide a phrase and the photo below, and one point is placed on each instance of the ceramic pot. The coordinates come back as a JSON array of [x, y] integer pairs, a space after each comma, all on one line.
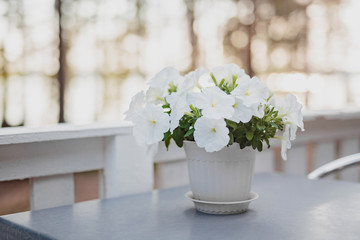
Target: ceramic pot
[[223, 176]]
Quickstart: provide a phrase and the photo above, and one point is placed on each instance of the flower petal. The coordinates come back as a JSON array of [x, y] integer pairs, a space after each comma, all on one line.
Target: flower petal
[[151, 124], [211, 134], [164, 78], [136, 104], [215, 103], [227, 71]]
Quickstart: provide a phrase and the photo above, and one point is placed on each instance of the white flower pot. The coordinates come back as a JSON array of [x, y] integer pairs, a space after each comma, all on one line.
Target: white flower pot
[[223, 176]]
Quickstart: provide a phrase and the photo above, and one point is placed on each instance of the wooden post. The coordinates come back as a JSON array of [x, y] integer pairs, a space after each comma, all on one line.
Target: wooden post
[[190, 8], [156, 177], [278, 162], [61, 75], [310, 148], [128, 168]]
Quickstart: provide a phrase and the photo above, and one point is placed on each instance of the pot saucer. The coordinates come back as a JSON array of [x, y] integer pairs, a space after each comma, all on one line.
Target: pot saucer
[[222, 208]]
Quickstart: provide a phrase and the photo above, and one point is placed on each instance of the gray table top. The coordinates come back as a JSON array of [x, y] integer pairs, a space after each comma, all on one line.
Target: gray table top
[[288, 208]]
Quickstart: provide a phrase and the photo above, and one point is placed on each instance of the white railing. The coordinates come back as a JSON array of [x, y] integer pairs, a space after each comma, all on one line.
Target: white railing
[[50, 156], [328, 136]]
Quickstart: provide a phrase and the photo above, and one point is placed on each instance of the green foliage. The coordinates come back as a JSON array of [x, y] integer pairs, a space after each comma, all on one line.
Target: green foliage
[[257, 130]]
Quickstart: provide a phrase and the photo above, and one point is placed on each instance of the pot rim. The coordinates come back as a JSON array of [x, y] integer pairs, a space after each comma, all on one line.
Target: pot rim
[[235, 144]]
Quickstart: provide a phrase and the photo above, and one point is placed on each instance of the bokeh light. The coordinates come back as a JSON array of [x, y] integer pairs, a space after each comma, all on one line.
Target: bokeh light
[[112, 47]]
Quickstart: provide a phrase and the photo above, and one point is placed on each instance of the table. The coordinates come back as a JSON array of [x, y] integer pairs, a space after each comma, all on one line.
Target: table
[[288, 208]]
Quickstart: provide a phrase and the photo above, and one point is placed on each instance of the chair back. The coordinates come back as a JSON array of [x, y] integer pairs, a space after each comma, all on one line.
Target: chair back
[[334, 165]]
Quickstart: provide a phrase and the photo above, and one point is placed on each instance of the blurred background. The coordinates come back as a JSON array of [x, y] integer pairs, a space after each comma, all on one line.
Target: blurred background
[[81, 61]]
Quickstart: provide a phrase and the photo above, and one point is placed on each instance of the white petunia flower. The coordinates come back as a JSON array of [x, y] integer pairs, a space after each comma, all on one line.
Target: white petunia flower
[[151, 124], [215, 103], [178, 105], [211, 134], [164, 78], [285, 142], [136, 104], [156, 95], [243, 77], [251, 91], [242, 113], [227, 72], [258, 110], [192, 80], [290, 111]]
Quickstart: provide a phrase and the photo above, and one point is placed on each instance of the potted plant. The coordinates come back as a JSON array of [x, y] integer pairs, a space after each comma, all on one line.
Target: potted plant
[[221, 118]]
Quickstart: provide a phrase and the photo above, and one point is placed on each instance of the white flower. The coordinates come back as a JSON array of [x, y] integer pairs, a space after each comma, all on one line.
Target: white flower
[[156, 95], [290, 111], [243, 77], [192, 81], [211, 134], [251, 91], [191, 98], [215, 103], [285, 142], [164, 78], [242, 113], [248, 100], [227, 72], [136, 104], [151, 124], [258, 110], [178, 105]]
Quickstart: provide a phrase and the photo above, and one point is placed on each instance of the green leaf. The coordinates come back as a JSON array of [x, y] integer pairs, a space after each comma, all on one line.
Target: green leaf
[[239, 132], [259, 146], [260, 126], [184, 124], [231, 141], [178, 136], [222, 82], [166, 139], [166, 135], [188, 133], [173, 88], [249, 135], [213, 78], [253, 145], [166, 106], [192, 107], [231, 124], [234, 77], [242, 144], [167, 142], [267, 142]]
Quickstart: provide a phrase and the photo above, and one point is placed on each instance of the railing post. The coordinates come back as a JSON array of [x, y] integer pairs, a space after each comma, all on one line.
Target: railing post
[[109, 186], [128, 168]]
